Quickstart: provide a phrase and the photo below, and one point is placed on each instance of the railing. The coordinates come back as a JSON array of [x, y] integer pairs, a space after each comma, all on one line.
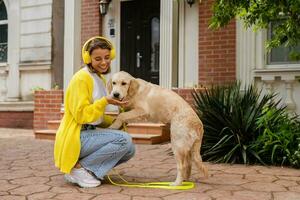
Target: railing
[[284, 82]]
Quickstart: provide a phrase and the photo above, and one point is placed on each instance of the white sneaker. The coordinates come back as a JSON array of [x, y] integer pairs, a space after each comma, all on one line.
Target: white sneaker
[[82, 177]]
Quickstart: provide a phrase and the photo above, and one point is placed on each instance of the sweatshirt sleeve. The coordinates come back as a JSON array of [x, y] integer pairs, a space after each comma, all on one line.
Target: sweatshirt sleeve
[[78, 100], [107, 121]]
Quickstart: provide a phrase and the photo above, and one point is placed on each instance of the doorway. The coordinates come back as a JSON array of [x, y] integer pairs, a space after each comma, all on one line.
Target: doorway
[[140, 39]]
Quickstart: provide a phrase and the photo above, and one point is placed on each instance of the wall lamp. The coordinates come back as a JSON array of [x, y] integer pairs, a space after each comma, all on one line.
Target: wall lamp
[[103, 6], [190, 2]]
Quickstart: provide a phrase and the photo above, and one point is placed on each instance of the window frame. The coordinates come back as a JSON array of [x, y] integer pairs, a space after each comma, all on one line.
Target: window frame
[[5, 22]]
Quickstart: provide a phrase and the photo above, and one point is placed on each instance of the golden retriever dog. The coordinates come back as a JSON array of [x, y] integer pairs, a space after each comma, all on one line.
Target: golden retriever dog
[[157, 104]]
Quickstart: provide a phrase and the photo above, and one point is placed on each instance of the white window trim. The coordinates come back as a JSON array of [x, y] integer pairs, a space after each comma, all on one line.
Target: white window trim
[[252, 66], [3, 22], [262, 37], [251, 54]]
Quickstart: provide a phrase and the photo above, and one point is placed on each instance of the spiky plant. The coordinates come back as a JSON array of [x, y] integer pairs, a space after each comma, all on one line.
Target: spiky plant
[[229, 115]]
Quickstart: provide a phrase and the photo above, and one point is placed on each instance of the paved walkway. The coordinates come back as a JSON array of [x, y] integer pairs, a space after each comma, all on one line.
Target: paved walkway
[[27, 172]]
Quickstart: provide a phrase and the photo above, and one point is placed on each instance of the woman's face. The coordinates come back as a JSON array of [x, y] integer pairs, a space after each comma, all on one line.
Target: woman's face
[[100, 60]]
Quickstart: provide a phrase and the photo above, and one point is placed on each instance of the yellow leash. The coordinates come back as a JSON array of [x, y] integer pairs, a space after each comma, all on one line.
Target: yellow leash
[[162, 185]]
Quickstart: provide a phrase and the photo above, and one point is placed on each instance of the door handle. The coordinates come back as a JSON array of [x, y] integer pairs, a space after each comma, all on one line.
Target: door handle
[[138, 59]]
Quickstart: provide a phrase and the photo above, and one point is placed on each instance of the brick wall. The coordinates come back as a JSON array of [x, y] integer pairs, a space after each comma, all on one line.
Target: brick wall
[[16, 119], [47, 105], [91, 22], [216, 49], [186, 94]]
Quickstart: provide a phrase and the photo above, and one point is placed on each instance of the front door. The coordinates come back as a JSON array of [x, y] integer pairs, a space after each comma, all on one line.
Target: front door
[[140, 38]]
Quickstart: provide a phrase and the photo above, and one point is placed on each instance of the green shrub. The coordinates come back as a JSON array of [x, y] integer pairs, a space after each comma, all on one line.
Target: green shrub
[[279, 142], [229, 117]]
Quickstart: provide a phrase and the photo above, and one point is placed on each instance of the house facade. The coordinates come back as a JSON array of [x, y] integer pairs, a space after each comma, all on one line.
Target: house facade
[[31, 51], [169, 43], [166, 42]]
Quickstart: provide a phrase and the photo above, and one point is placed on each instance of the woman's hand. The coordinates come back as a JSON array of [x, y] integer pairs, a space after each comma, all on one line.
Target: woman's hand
[[116, 102]]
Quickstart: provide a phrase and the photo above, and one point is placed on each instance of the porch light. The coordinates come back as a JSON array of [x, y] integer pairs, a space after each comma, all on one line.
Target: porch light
[[103, 6], [190, 2]]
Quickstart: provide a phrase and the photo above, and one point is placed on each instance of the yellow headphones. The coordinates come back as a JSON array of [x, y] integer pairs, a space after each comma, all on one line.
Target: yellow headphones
[[86, 54]]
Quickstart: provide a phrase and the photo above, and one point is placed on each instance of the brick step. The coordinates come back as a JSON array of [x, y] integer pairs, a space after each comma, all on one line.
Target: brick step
[[136, 128], [53, 124], [138, 138], [142, 133], [147, 139], [143, 128], [149, 128], [45, 134]]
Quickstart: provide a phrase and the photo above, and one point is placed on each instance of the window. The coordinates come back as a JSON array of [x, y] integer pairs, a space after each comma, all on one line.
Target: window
[[155, 44], [280, 55], [3, 32]]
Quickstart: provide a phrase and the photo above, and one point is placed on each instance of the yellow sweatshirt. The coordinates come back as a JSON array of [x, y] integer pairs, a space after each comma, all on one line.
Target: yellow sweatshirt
[[79, 110]]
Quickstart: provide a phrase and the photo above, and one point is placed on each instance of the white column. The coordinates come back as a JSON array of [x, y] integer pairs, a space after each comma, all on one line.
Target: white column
[[268, 82], [166, 45], [181, 45], [72, 39], [289, 100], [245, 53], [3, 89], [260, 49], [13, 56]]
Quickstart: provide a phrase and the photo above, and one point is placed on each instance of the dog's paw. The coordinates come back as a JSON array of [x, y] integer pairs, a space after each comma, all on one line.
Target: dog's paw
[[176, 183]]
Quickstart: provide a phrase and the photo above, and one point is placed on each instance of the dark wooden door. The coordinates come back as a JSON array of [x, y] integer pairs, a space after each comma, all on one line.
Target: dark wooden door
[[140, 38]]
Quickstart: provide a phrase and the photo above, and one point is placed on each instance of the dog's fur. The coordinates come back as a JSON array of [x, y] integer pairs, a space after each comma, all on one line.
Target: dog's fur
[[152, 102]]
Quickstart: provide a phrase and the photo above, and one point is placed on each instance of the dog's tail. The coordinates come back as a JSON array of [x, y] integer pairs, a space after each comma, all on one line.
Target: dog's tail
[[197, 157]]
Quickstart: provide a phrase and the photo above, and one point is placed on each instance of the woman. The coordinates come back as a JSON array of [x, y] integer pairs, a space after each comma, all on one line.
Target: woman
[[86, 154]]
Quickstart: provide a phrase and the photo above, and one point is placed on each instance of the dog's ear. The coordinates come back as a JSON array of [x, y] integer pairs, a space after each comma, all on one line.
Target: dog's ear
[[133, 87], [109, 86]]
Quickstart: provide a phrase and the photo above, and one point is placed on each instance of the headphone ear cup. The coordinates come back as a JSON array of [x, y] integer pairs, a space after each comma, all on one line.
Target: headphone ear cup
[[86, 57], [112, 53]]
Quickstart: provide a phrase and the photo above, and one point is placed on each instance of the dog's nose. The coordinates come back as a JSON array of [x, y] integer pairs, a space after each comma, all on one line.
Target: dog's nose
[[116, 95]]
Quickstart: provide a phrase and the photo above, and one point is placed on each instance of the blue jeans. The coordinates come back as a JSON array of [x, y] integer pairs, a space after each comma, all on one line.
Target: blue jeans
[[103, 149]]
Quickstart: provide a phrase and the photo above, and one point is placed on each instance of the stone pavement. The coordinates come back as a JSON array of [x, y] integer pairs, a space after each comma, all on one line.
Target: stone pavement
[[27, 172]]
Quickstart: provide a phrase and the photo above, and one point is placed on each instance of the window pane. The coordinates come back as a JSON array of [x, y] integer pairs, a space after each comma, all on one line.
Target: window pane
[[280, 55], [155, 44], [3, 43], [3, 14], [3, 33]]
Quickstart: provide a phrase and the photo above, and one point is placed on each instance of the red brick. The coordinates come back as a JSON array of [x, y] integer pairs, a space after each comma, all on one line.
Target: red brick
[[90, 20], [47, 107], [16, 119], [217, 49]]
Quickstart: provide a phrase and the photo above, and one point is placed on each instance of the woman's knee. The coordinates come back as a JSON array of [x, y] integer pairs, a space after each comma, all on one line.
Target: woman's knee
[[125, 139], [128, 140], [131, 150]]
